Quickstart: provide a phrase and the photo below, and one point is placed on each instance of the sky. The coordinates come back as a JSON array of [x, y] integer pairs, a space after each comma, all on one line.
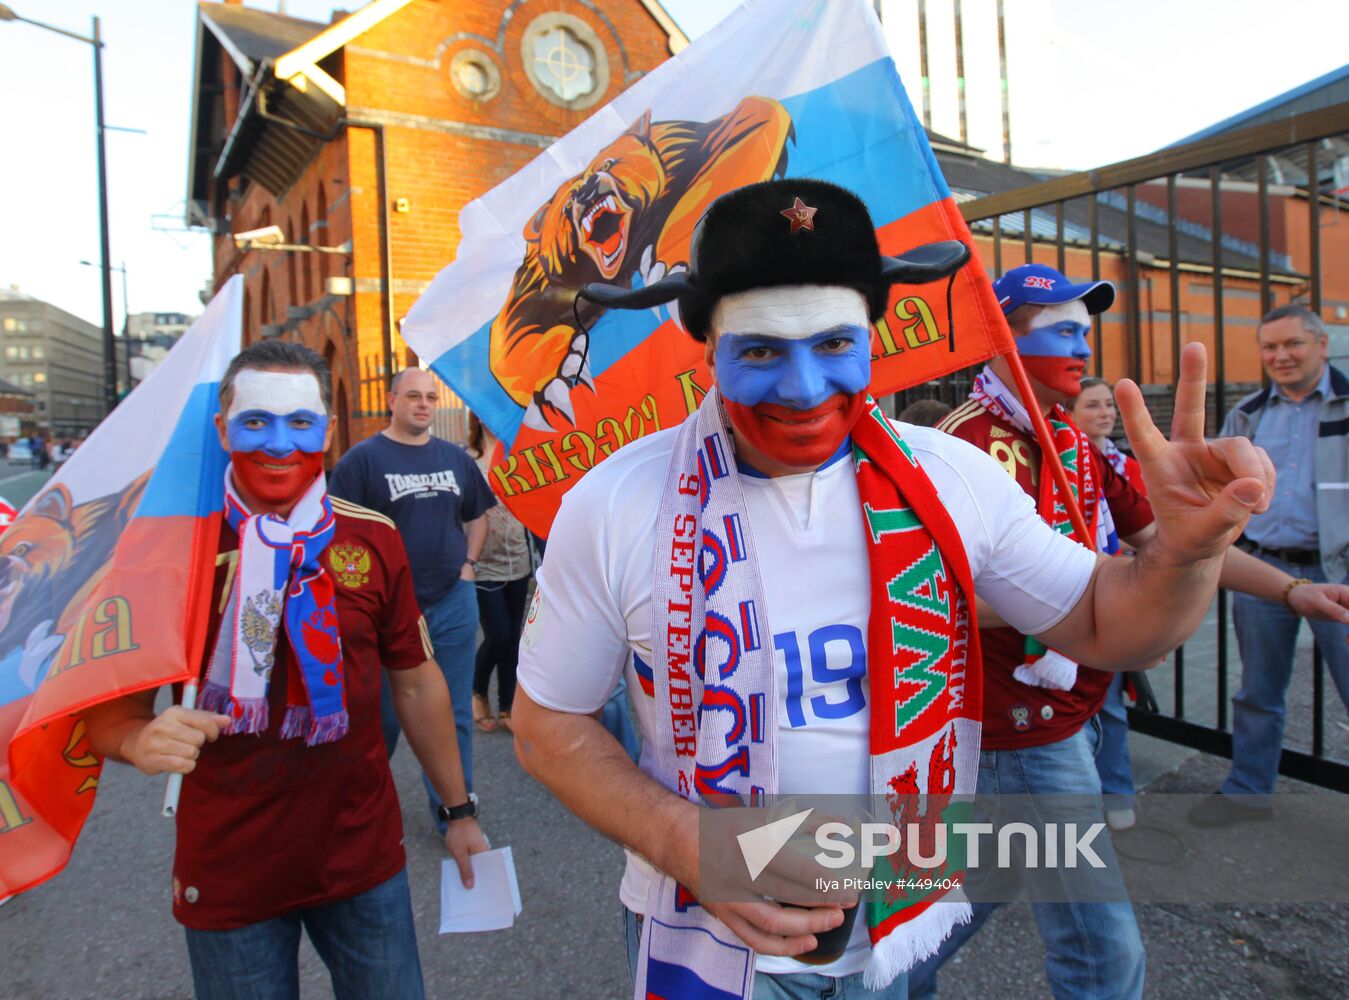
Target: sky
[[1091, 82]]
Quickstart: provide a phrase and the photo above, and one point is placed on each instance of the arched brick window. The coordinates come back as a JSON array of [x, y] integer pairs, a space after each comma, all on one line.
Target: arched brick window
[[321, 216], [306, 265]]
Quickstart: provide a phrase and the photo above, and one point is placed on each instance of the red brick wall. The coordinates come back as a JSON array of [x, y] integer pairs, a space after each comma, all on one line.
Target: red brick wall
[[401, 68], [1240, 302]]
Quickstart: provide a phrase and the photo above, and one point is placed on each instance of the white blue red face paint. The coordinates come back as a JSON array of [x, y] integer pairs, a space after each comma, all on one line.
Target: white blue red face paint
[[276, 426], [793, 365], [1055, 350]]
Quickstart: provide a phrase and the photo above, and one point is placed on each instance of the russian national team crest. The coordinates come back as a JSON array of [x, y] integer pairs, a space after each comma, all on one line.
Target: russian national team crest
[[350, 564]]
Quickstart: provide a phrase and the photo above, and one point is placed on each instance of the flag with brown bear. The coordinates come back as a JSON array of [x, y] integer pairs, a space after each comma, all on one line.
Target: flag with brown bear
[[780, 89]]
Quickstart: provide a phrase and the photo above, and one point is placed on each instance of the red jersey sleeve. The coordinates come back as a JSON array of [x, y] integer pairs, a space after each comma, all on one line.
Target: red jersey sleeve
[[1128, 506], [404, 641]]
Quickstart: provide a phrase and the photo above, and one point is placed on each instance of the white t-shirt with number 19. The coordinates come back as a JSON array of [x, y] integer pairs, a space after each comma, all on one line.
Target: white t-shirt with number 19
[[592, 617]]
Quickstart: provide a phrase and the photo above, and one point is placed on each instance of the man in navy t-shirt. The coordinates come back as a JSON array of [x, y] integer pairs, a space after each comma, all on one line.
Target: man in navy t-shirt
[[434, 493]]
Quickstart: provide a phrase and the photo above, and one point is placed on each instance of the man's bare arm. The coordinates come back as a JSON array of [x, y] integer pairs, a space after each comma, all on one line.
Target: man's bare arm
[[422, 703], [592, 775], [127, 730]]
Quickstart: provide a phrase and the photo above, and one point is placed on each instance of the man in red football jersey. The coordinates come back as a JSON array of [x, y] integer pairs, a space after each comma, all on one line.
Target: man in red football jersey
[[1040, 734], [288, 816]]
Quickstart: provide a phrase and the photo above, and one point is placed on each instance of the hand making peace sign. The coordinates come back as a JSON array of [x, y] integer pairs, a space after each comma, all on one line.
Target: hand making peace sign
[[1202, 492]]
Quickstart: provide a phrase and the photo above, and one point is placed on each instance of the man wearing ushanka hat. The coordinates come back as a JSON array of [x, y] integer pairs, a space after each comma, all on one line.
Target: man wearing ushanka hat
[[789, 579]]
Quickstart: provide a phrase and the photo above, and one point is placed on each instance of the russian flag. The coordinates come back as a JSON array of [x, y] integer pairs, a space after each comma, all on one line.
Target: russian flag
[[129, 528], [797, 88], [645, 678], [723, 968]]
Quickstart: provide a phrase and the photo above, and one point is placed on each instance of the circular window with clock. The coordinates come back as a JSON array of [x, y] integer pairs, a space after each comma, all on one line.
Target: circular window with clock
[[475, 75], [565, 60]]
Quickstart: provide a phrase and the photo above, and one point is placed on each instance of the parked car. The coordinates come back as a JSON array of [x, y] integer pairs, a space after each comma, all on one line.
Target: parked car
[[19, 451]]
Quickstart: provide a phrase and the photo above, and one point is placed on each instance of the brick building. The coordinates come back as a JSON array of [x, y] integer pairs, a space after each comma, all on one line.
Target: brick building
[[361, 140]]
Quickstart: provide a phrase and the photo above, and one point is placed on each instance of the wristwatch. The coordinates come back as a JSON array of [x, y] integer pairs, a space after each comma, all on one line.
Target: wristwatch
[[468, 810], [473, 563]]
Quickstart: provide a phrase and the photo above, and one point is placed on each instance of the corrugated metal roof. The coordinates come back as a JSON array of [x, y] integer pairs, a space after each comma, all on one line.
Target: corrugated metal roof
[[1325, 91]]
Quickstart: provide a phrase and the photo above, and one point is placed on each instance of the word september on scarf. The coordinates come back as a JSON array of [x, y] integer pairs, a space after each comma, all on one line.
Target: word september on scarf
[[1044, 667], [280, 576], [717, 689]]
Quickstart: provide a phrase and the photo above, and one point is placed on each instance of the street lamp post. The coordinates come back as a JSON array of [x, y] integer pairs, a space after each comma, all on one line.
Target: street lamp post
[[109, 345], [126, 320]]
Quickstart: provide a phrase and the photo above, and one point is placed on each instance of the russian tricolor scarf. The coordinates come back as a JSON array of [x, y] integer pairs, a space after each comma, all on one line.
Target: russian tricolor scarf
[[280, 578], [717, 690]]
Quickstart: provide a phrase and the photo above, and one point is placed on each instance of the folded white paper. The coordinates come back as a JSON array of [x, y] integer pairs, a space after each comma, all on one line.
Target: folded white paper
[[491, 905]]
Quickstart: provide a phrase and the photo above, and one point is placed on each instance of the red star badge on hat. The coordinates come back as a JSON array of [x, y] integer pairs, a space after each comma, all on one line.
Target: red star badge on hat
[[802, 216]]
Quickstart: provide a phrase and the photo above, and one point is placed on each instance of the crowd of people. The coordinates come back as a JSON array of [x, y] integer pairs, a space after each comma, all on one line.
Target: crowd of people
[[790, 593]]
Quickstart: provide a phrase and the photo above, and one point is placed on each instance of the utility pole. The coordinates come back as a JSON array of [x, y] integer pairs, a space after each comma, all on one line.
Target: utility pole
[[109, 345]]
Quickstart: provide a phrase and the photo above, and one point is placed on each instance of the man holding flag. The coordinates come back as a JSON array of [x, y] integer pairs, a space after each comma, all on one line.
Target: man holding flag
[[781, 516], [288, 816], [1039, 732]]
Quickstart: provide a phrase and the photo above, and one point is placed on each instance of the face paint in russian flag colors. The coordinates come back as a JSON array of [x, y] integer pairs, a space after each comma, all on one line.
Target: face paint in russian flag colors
[[793, 365], [276, 427], [1055, 350]]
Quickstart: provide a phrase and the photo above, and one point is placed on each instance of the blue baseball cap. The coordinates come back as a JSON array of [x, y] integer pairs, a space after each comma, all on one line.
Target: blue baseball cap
[[1040, 285]]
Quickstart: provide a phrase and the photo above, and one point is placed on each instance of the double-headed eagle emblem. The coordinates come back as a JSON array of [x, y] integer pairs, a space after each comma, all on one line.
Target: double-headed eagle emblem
[[350, 564]]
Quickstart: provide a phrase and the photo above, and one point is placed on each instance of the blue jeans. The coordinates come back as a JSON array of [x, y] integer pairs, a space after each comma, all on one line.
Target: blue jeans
[[1091, 949], [1112, 759], [453, 624], [367, 942], [1267, 637], [807, 986]]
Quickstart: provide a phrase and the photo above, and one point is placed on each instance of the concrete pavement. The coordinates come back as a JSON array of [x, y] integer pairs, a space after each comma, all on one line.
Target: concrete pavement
[[102, 928]]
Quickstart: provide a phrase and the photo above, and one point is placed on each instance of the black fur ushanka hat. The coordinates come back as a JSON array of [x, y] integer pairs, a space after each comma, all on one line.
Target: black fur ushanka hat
[[786, 232]]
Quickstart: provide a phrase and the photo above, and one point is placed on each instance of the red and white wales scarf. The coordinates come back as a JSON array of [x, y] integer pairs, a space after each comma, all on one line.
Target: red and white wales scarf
[[717, 691], [280, 578]]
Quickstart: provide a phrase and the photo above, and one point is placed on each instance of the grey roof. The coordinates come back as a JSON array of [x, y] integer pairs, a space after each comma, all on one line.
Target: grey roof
[[8, 388], [971, 177], [1325, 91], [252, 36], [254, 39]]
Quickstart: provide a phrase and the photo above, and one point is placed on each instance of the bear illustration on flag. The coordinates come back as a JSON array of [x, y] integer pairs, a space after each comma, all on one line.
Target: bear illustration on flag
[[782, 88], [105, 578]]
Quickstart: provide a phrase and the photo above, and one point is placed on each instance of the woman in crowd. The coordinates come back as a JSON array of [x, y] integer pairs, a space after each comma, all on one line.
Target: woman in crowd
[[1094, 411], [503, 575]]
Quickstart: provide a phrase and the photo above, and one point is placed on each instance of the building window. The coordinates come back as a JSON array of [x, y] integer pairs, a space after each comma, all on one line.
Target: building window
[[322, 220], [306, 268], [565, 60], [38, 352], [475, 75], [39, 377]]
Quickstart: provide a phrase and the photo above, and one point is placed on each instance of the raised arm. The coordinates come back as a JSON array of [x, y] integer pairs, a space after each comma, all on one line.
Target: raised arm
[[1202, 493]]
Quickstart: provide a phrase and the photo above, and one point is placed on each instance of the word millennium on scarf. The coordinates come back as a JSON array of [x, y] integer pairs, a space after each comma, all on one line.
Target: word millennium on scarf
[[425, 483]]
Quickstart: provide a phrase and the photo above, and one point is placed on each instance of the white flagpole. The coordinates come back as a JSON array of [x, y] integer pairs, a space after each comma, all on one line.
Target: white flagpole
[[175, 783]]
